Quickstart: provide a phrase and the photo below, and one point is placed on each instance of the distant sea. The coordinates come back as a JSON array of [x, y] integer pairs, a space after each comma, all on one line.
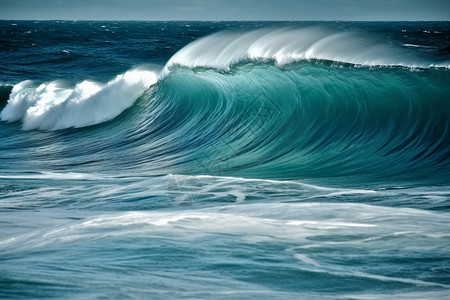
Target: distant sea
[[224, 160]]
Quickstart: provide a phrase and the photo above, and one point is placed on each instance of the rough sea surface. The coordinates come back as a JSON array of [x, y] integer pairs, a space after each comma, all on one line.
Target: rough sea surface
[[224, 160]]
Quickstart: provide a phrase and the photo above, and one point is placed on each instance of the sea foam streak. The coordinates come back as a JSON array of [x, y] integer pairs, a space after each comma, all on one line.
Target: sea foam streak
[[51, 106]]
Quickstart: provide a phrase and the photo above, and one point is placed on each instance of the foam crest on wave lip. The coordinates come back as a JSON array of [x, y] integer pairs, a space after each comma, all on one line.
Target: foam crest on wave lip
[[53, 106], [287, 45]]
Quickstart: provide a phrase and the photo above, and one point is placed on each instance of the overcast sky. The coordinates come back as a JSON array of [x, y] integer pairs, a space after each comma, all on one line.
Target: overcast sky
[[225, 9]]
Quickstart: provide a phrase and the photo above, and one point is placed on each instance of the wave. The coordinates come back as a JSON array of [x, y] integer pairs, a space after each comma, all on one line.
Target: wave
[[283, 108], [53, 105]]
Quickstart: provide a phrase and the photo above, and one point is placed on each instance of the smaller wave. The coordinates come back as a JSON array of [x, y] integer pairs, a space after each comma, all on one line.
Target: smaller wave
[[53, 105], [5, 90]]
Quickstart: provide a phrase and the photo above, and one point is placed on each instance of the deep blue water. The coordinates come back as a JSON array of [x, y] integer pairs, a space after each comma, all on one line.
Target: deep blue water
[[224, 160]]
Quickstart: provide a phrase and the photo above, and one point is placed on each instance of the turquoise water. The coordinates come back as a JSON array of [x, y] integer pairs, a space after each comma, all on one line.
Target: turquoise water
[[224, 160]]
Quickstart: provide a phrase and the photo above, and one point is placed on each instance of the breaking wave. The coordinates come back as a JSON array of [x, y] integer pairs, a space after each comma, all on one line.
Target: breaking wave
[[53, 105]]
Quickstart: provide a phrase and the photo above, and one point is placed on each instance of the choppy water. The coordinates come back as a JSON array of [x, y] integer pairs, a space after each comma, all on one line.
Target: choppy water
[[171, 160]]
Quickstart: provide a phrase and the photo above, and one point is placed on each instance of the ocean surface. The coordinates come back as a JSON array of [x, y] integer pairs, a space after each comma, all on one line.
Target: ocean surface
[[224, 160]]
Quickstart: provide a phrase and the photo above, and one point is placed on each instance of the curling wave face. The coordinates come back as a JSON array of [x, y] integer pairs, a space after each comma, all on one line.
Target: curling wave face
[[311, 119]]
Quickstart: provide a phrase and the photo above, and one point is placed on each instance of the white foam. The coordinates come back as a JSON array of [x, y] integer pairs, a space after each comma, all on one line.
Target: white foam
[[294, 224], [53, 106]]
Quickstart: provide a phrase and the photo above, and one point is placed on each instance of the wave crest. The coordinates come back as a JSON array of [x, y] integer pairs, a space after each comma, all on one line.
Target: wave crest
[[287, 45]]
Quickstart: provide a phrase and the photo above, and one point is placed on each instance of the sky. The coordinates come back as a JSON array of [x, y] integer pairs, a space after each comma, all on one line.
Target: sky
[[352, 10]]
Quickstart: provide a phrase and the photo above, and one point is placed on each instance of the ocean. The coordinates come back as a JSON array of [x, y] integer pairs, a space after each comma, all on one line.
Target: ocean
[[224, 160]]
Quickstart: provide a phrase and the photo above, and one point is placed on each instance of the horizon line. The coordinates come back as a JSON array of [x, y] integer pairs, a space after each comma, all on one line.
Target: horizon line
[[184, 20]]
